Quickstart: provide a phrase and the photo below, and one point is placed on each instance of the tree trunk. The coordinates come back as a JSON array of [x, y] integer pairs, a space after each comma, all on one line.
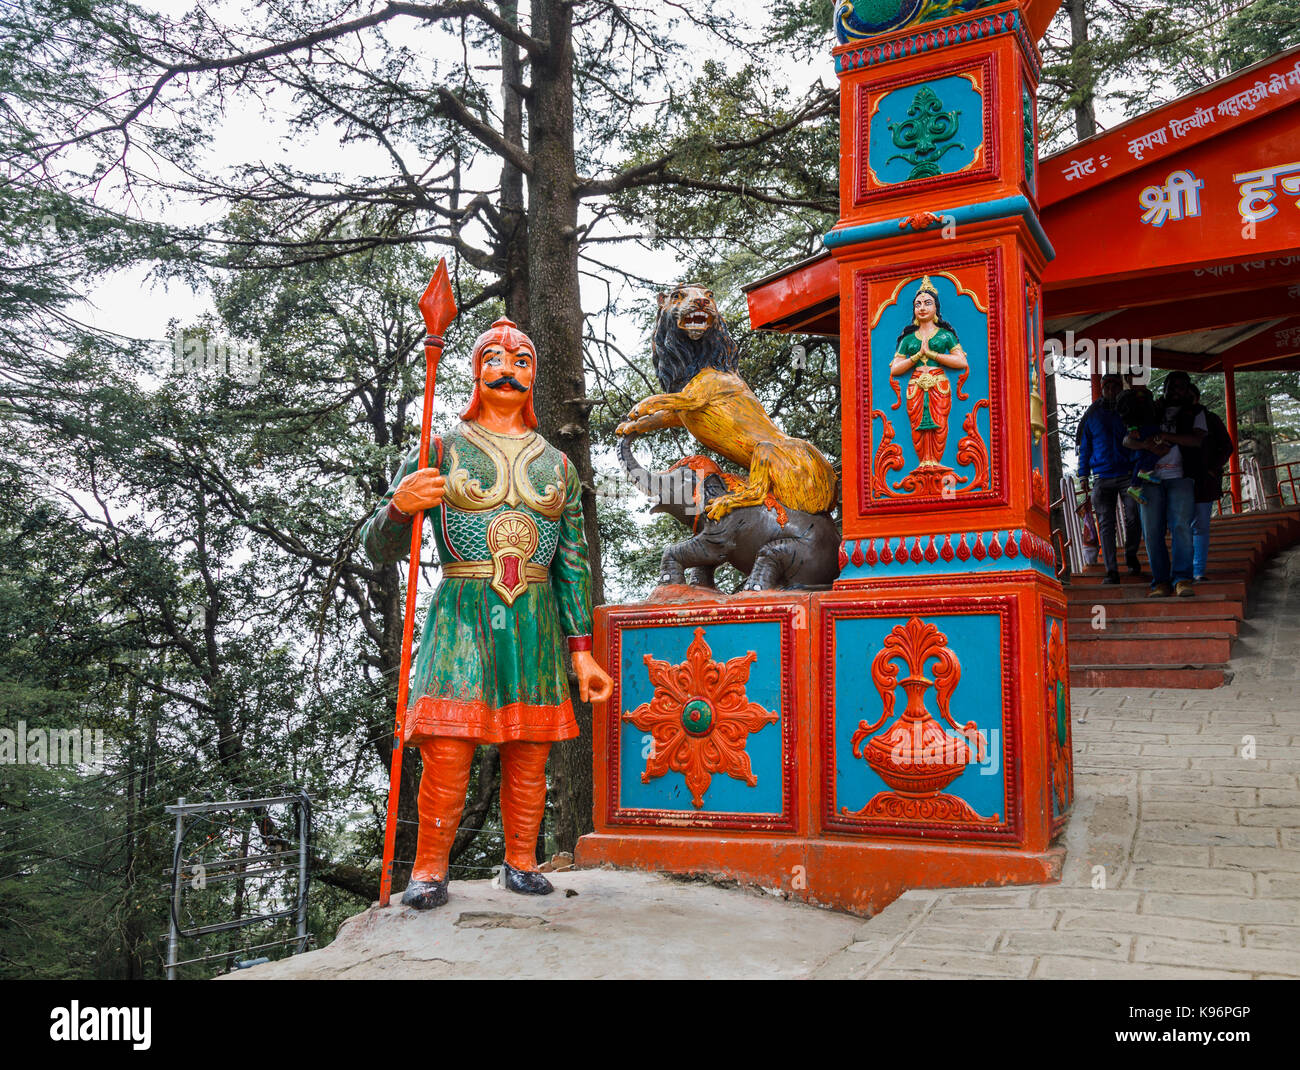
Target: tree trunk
[[1085, 79], [555, 306], [1258, 442], [514, 218]]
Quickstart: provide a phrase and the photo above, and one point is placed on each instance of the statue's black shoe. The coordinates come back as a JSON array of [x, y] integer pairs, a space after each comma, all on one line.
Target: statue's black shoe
[[425, 895], [525, 882]]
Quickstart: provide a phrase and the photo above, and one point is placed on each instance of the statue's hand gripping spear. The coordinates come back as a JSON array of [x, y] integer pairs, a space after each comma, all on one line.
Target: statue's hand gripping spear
[[438, 306]]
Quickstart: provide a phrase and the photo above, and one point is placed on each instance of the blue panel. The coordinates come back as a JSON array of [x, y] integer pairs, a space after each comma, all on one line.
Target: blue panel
[[977, 642], [971, 327], [725, 794], [890, 153]]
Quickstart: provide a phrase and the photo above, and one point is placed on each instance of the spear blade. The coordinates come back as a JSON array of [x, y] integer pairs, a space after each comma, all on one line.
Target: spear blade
[[438, 305]]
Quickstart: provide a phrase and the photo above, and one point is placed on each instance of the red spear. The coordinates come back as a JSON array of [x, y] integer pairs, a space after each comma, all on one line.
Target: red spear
[[438, 307]]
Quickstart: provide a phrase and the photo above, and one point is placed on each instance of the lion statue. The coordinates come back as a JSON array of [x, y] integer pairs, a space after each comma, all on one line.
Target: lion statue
[[695, 359]]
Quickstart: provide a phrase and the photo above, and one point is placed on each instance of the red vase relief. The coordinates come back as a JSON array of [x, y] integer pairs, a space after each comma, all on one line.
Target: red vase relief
[[916, 756], [700, 718]]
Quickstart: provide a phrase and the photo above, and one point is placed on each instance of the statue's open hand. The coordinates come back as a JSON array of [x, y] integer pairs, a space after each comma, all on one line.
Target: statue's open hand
[[420, 490], [594, 684]]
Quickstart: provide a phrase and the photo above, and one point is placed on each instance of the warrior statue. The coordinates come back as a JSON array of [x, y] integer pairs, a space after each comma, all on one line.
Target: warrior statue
[[507, 522]]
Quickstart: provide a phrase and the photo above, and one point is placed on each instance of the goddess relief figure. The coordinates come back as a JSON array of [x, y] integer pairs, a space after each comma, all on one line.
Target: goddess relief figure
[[926, 349]]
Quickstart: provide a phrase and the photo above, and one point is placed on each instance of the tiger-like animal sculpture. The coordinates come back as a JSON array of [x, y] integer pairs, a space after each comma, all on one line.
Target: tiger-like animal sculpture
[[695, 360]]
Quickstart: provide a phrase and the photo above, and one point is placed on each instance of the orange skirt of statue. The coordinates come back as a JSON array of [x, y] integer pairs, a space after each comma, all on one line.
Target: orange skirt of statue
[[929, 400]]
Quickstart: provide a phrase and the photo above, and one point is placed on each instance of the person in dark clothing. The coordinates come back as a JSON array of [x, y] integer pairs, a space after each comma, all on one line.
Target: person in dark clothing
[[1137, 411], [1105, 469], [1216, 451], [1171, 502]]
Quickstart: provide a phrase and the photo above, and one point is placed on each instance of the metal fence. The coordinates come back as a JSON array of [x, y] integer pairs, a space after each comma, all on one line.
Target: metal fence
[[196, 871]]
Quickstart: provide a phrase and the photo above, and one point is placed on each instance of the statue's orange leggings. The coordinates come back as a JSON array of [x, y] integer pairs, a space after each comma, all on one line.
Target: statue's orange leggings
[[442, 798]]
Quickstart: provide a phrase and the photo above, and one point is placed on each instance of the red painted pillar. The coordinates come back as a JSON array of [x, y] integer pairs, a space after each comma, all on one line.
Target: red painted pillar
[[945, 504], [1230, 402]]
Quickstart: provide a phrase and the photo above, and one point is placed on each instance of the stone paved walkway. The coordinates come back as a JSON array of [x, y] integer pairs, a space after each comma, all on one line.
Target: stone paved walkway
[[1187, 802]]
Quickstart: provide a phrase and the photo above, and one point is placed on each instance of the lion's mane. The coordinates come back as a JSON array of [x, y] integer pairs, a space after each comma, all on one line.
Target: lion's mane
[[678, 358]]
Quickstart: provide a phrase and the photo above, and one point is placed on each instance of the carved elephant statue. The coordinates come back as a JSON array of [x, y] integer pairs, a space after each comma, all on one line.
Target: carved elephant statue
[[775, 547]]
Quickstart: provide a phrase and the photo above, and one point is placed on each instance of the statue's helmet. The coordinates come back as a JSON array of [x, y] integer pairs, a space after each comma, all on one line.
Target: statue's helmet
[[503, 333]]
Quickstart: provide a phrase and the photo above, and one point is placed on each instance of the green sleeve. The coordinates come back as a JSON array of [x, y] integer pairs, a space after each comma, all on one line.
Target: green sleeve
[[944, 341], [385, 540], [570, 569]]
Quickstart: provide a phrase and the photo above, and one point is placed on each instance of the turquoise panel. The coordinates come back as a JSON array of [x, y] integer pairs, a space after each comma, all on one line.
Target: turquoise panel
[[977, 642], [1028, 136], [971, 327], [725, 794], [919, 131]]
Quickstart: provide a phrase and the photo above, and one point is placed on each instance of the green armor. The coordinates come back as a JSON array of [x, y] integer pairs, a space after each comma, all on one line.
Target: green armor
[[516, 580]]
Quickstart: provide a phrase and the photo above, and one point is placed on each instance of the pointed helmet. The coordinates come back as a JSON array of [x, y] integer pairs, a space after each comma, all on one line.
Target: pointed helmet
[[503, 333]]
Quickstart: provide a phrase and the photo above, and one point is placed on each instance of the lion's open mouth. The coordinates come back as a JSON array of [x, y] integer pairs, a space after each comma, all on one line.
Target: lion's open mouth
[[695, 323]]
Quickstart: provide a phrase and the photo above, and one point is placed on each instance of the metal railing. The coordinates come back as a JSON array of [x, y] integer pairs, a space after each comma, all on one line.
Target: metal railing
[[1287, 495], [239, 867], [1255, 496], [1075, 545]]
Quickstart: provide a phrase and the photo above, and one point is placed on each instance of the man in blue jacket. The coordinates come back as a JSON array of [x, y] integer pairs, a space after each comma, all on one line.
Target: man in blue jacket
[[1105, 469]]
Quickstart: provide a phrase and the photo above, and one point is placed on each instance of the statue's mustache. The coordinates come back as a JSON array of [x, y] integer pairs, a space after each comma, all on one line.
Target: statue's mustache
[[507, 381]]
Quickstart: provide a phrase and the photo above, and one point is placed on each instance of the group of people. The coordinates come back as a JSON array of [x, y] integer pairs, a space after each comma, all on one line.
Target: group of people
[[1167, 455]]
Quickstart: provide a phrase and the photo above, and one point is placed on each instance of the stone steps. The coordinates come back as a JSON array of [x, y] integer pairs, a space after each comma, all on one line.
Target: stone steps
[[1172, 642]]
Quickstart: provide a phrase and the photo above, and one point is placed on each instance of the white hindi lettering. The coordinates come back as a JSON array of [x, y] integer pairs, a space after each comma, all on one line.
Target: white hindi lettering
[[1179, 198], [1261, 90], [1079, 168], [1142, 144], [1257, 189], [1246, 265], [1199, 118]]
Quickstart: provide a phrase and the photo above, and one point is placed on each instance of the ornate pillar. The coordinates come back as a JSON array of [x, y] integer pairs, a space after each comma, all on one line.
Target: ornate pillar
[[910, 727], [948, 590]]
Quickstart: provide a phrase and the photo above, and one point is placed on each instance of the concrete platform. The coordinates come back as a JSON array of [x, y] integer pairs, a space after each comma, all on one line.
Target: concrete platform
[[616, 925]]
